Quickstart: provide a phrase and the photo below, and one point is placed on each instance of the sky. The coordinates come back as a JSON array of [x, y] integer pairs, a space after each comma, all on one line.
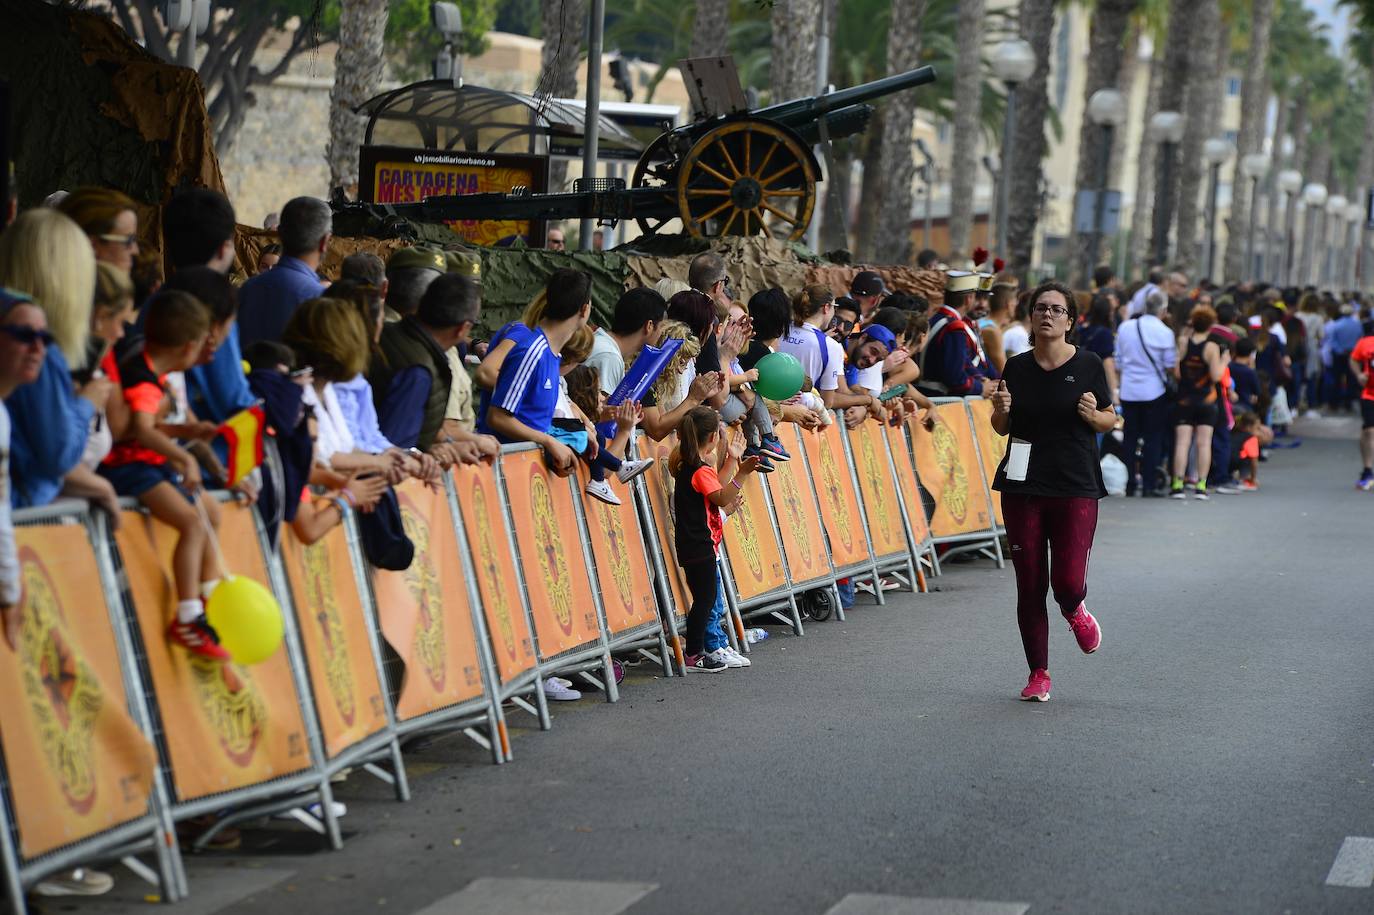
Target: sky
[[1336, 19]]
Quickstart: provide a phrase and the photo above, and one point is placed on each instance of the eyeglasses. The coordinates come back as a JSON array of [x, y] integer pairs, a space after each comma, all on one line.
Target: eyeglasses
[[27, 336], [841, 324], [127, 241], [1057, 310]]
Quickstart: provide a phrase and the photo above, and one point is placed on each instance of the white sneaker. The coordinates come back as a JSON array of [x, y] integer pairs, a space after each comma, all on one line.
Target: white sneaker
[[566, 684], [554, 689], [338, 808], [737, 659], [631, 469], [726, 657], [80, 882], [600, 489]]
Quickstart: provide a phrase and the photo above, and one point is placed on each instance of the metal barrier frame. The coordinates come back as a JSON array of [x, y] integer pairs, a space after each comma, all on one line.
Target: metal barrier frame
[[922, 550], [779, 603], [987, 543], [153, 831], [863, 568], [383, 743], [673, 627], [582, 658], [896, 562], [825, 581], [999, 529], [292, 792]]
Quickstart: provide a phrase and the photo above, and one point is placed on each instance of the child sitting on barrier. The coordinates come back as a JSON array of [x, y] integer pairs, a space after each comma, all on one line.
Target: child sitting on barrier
[[150, 466], [701, 491]]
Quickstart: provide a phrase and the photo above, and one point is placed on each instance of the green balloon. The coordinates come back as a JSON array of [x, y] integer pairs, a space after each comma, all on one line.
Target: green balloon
[[780, 376]]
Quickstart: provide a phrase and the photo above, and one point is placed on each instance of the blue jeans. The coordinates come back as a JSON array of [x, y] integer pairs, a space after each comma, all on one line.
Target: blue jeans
[[846, 589], [715, 631], [1220, 471]]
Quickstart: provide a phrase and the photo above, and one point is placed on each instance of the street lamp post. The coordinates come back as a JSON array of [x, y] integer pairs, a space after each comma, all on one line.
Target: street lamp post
[[1335, 215], [1314, 195], [1106, 109], [1013, 62], [928, 176], [1253, 166], [1166, 128], [1289, 181], [1216, 151], [1354, 212]]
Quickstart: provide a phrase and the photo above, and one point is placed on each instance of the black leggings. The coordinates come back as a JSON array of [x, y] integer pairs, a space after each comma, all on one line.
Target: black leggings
[[701, 581]]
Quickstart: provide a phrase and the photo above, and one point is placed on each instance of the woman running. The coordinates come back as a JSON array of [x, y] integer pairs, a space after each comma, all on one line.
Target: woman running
[[1053, 400], [1200, 367]]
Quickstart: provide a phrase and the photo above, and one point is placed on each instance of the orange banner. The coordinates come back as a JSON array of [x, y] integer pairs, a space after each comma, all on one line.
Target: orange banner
[[77, 763], [560, 593], [226, 726], [991, 449], [424, 610], [839, 507], [947, 465], [485, 527], [627, 591], [329, 613], [807, 559], [751, 541], [659, 483], [906, 482], [885, 528]]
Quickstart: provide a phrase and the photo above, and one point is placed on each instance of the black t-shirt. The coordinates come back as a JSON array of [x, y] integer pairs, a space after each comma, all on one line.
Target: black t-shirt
[[708, 360], [751, 356], [1044, 411]]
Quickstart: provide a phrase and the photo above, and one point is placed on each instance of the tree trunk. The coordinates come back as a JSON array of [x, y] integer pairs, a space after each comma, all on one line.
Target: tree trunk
[[792, 67], [1028, 140], [1142, 206], [1364, 180], [1200, 104], [564, 23], [1106, 60], [358, 68], [1273, 224], [897, 161], [1173, 91], [968, 90], [710, 28], [1254, 94]]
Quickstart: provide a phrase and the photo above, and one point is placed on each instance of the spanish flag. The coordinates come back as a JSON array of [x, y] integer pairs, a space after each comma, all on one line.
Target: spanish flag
[[243, 433]]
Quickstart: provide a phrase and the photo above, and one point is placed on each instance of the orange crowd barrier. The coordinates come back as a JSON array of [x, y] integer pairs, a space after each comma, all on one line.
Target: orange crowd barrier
[[906, 482], [839, 507], [226, 726], [424, 610], [77, 762], [751, 541], [659, 484], [333, 627], [480, 505], [798, 524], [991, 449], [947, 465], [879, 491], [556, 575], [627, 592]]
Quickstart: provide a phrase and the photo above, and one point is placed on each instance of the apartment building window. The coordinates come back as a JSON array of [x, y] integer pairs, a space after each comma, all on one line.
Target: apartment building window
[[1233, 86]]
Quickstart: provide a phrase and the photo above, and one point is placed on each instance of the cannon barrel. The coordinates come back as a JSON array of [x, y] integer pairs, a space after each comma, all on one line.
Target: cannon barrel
[[797, 112]]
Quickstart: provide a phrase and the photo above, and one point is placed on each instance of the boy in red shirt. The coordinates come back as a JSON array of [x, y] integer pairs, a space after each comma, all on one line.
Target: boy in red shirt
[[150, 466], [1362, 365]]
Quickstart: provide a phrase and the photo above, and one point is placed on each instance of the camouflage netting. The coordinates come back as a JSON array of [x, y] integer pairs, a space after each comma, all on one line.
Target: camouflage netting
[[93, 108]]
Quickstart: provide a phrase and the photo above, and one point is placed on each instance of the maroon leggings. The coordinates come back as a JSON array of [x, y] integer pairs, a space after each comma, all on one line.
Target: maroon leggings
[[1038, 526]]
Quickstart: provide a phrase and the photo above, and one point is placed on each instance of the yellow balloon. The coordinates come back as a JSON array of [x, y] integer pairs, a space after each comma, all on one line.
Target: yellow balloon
[[247, 618]]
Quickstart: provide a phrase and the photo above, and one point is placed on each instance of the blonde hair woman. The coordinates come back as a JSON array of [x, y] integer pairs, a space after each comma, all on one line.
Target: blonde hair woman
[[46, 255], [676, 392]]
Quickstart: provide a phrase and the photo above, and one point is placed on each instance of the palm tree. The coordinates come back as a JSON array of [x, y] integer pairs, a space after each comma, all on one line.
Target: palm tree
[[358, 65], [1110, 20], [967, 114], [1139, 254], [1173, 92], [896, 165], [792, 70], [563, 22], [1203, 101], [710, 28], [1028, 143], [1254, 99]]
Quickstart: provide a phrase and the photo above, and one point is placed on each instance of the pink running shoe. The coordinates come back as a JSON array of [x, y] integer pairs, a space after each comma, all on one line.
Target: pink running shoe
[[1086, 630], [1038, 688]]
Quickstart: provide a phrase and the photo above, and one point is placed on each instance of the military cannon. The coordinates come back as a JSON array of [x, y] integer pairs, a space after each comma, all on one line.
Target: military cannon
[[744, 173]]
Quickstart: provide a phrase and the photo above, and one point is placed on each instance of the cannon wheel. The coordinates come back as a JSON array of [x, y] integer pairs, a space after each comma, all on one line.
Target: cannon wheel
[[745, 177], [654, 170]]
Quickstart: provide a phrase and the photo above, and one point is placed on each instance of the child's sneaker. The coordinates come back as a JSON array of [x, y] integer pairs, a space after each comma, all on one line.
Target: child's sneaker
[[704, 664], [774, 449], [631, 469], [1249, 486], [600, 489], [1038, 688], [736, 659], [724, 656], [197, 637], [554, 689], [765, 465]]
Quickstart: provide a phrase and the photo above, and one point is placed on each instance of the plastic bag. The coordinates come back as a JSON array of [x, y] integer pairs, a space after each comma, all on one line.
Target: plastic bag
[[1279, 412], [1114, 475]]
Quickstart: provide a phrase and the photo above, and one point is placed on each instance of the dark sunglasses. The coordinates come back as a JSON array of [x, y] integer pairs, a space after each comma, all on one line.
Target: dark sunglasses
[[27, 335]]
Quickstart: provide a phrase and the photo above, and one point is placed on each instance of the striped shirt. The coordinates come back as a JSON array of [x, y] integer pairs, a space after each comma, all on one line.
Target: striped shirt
[[527, 387]]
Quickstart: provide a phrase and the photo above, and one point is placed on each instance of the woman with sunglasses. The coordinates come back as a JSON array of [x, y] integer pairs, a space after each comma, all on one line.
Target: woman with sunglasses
[[109, 220], [1052, 400]]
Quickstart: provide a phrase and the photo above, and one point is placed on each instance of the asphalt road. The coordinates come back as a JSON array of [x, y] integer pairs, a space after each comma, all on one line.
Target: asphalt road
[[1214, 756]]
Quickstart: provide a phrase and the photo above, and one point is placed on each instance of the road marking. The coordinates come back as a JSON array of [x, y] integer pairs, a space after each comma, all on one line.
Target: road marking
[[872, 904], [518, 896], [1354, 864]]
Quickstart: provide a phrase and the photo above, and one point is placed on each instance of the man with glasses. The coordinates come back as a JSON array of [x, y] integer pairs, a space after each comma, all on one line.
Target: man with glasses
[[952, 363], [556, 241]]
